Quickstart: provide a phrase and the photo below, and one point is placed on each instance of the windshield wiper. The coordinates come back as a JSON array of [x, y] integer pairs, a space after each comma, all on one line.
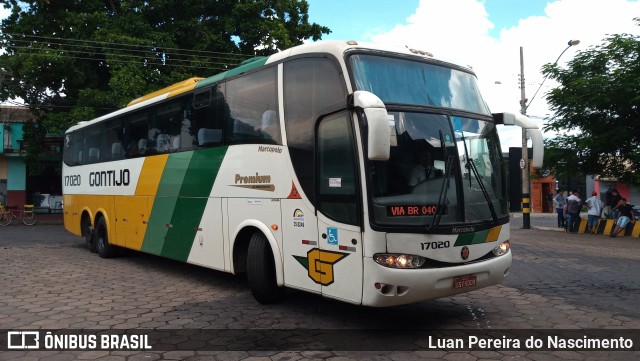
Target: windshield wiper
[[472, 166], [445, 185]]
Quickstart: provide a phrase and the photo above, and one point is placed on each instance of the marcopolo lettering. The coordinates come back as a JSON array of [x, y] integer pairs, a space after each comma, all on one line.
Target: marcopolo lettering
[[109, 178], [262, 148]]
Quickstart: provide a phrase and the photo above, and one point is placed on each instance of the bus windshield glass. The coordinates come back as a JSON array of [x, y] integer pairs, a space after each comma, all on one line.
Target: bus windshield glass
[[403, 81], [443, 170]]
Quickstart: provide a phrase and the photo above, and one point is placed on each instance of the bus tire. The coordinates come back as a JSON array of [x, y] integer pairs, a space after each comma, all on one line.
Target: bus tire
[[100, 237], [261, 271], [87, 233]]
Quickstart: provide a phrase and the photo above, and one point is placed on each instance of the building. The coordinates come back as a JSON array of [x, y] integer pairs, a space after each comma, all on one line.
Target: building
[[13, 169], [604, 186], [17, 185]]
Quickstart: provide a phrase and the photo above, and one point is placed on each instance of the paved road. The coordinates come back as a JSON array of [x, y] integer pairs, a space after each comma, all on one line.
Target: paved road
[[558, 281]]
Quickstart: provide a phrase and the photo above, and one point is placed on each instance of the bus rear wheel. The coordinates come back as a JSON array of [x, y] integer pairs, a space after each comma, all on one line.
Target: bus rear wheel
[[87, 233], [261, 271], [101, 240]]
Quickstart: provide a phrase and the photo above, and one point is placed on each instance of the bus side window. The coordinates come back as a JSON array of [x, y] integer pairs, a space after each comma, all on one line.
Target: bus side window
[[336, 165], [208, 117], [91, 150], [110, 145], [168, 122], [134, 137], [312, 87], [73, 148], [249, 98]]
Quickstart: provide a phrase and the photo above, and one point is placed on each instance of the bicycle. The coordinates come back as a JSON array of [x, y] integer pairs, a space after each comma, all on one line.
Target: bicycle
[[27, 215]]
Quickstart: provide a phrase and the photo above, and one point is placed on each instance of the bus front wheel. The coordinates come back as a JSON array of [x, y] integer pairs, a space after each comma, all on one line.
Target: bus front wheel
[[261, 271], [101, 240]]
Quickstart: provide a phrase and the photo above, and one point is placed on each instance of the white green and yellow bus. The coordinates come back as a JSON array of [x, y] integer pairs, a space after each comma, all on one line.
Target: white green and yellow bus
[[364, 173]]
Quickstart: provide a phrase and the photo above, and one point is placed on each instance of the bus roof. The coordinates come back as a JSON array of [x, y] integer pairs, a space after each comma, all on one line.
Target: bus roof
[[335, 47]]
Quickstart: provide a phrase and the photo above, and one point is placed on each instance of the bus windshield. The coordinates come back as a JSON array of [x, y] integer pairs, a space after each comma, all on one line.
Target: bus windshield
[[403, 81], [445, 169]]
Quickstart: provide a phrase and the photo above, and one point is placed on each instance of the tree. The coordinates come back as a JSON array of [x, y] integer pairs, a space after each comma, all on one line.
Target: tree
[[597, 110], [77, 59]]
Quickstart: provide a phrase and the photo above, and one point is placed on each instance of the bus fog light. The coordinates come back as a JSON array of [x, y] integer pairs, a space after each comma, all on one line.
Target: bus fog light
[[502, 249], [399, 260]]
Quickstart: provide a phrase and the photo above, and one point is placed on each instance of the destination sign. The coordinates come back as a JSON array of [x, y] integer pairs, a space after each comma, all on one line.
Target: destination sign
[[413, 210]]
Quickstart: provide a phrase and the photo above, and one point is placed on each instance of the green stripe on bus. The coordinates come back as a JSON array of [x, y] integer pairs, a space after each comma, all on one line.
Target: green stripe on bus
[[246, 66], [471, 238], [189, 208], [165, 202], [464, 239]]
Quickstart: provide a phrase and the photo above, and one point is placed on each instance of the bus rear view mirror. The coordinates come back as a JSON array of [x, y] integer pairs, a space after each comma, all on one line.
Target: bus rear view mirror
[[379, 134]]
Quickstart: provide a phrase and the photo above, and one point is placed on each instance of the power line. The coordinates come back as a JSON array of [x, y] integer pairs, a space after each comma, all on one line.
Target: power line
[[115, 61], [150, 59], [127, 45], [102, 50]]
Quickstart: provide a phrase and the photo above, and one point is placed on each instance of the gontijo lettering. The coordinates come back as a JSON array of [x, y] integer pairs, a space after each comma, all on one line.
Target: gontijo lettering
[[110, 178]]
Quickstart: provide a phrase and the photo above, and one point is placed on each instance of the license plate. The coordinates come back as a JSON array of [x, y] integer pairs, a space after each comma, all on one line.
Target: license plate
[[464, 281]]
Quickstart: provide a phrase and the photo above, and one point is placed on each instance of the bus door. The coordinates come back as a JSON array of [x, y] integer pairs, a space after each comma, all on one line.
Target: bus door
[[338, 260]]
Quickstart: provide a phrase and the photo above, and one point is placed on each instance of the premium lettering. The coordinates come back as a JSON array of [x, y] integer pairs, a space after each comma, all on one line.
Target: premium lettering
[[253, 179]]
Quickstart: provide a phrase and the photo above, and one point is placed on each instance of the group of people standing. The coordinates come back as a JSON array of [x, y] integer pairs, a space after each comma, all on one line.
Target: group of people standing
[[568, 209]]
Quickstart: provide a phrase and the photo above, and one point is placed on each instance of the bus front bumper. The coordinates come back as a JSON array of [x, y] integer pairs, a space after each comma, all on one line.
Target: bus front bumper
[[385, 286]]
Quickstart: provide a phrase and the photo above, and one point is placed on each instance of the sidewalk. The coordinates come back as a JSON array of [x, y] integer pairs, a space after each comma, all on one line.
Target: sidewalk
[[548, 222]]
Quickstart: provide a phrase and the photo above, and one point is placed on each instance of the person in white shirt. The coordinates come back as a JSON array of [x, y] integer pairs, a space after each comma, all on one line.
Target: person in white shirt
[[574, 203], [594, 212]]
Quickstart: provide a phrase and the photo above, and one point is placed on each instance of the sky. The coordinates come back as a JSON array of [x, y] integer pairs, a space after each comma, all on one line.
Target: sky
[[486, 35]]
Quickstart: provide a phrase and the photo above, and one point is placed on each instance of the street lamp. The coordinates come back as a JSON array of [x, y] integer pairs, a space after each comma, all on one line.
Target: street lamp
[[524, 161], [569, 44]]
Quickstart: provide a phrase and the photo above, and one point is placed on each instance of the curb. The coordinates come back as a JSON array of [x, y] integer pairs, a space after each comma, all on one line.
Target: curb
[[605, 226]]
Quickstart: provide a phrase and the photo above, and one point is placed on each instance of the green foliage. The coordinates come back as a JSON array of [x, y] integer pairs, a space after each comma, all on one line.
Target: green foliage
[[77, 59], [34, 135], [597, 108]]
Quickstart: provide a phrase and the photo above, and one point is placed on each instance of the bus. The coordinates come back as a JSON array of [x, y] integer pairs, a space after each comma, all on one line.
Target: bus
[[359, 172]]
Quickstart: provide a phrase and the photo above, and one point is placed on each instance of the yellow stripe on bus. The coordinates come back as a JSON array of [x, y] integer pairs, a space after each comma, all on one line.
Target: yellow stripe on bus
[[150, 175], [173, 89], [493, 235]]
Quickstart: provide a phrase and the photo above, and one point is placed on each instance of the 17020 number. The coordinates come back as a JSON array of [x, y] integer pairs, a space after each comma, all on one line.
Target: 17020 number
[[435, 245]]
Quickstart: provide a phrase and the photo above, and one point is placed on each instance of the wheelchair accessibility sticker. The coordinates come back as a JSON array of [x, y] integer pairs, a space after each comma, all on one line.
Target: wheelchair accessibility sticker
[[332, 236]]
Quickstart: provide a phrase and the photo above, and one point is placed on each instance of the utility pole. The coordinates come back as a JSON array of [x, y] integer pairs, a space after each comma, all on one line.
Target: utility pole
[[524, 161]]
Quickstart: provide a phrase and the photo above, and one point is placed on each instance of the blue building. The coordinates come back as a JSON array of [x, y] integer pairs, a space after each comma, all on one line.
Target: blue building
[[13, 169], [17, 186]]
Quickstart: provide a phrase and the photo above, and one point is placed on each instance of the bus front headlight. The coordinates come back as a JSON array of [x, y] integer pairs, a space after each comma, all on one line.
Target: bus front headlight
[[502, 249], [402, 261]]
